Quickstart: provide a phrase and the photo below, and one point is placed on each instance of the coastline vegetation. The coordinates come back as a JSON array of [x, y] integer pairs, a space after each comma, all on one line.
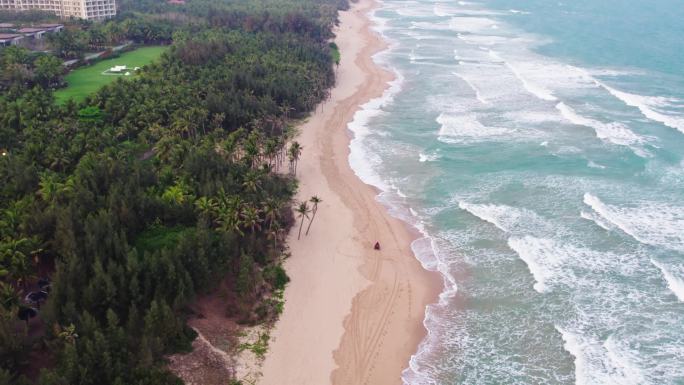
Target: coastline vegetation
[[335, 52], [120, 209]]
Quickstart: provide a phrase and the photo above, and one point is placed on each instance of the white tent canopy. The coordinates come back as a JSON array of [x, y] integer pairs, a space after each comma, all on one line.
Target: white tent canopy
[[118, 69]]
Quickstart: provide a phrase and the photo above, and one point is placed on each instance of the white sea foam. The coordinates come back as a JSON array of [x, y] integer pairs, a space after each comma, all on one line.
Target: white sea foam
[[674, 283], [470, 24], [361, 160], [466, 128], [553, 263], [478, 94], [542, 257], [440, 11], [413, 12], [427, 157], [648, 105], [613, 132], [506, 218], [430, 26], [625, 360], [566, 150], [592, 164], [596, 219], [534, 89], [597, 363], [573, 346], [483, 40], [651, 223]]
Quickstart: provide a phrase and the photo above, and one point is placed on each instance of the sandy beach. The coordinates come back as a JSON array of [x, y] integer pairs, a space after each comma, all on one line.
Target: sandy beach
[[353, 315]]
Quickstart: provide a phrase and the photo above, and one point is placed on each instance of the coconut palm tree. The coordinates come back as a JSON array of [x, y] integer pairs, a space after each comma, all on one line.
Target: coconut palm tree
[[67, 334], [206, 206], [303, 212], [273, 233], [48, 187], [250, 218], [228, 218], [271, 210], [315, 201], [251, 181], [9, 297], [270, 150], [14, 255], [294, 153]]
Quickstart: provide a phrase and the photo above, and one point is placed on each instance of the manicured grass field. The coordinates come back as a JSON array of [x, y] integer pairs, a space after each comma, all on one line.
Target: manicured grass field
[[86, 80]]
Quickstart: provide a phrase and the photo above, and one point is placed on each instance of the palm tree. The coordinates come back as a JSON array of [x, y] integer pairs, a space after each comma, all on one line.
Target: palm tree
[[14, 255], [177, 194], [250, 218], [206, 206], [273, 233], [294, 153], [228, 222], [164, 148], [271, 210], [48, 187], [315, 201], [303, 211], [270, 150], [67, 334], [251, 181], [9, 297], [11, 219]]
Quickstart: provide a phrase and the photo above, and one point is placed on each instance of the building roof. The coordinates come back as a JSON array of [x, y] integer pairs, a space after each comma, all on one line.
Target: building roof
[[31, 30], [49, 25], [7, 25], [9, 36]]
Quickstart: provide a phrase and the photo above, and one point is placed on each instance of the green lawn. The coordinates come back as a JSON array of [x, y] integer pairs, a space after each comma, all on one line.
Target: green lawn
[[86, 80], [159, 237]]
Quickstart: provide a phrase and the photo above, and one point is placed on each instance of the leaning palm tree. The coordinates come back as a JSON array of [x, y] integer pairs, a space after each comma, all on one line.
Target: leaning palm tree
[[303, 211], [315, 201]]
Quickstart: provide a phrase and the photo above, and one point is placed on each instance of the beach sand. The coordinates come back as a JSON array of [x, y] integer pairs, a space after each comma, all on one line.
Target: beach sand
[[352, 315]]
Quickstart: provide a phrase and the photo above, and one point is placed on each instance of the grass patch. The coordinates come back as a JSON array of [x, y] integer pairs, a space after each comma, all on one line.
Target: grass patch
[[159, 237], [259, 347], [86, 80], [335, 52]]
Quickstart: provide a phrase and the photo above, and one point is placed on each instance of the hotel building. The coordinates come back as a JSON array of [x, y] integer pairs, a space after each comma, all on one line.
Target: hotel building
[[84, 9]]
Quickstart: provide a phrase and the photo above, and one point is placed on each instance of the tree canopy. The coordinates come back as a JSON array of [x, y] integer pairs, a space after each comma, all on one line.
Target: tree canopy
[[154, 189]]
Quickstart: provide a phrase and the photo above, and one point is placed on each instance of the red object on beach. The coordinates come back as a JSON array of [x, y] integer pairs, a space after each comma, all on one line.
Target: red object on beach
[[377, 246]]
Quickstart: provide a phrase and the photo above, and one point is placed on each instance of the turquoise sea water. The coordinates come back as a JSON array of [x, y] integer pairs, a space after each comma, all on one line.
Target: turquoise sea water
[[539, 147]]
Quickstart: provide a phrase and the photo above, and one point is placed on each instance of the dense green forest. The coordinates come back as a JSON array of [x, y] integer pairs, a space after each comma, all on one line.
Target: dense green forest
[[117, 212]]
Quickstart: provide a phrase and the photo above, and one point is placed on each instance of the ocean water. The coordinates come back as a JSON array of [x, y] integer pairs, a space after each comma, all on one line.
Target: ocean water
[[539, 148]]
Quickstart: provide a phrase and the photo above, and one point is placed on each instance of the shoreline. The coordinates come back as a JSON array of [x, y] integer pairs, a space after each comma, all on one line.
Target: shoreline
[[353, 315]]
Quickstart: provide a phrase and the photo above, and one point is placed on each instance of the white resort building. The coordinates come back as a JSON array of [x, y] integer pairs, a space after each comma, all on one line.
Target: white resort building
[[84, 9]]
